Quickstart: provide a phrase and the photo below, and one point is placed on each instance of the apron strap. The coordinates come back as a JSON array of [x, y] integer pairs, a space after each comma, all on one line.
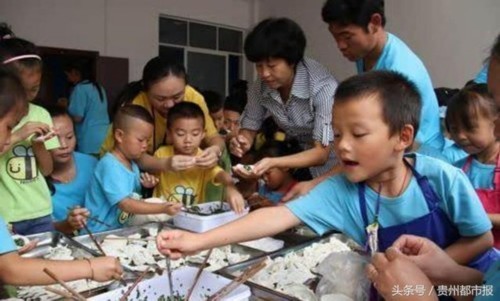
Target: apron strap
[[362, 202], [496, 175], [430, 196], [467, 164]]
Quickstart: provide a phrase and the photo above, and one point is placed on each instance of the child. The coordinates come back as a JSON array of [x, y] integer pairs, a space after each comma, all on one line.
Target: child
[[71, 175], [14, 269], [470, 119], [215, 104], [376, 116], [26, 201], [88, 106], [276, 181], [232, 114], [185, 124], [116, 183]]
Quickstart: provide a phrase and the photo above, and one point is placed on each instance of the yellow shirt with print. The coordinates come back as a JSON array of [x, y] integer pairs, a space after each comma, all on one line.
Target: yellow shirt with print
[[158, 139], [187, 186]]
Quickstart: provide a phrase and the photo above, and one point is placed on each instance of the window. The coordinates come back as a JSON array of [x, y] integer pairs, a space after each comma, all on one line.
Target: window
[[211, 53]]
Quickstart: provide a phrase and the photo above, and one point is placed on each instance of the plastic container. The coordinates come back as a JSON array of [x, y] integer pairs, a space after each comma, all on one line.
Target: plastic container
[[202, 223], [183, 278]]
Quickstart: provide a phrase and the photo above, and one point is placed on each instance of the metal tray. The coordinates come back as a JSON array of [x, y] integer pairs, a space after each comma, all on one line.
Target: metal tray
[[266, 293]]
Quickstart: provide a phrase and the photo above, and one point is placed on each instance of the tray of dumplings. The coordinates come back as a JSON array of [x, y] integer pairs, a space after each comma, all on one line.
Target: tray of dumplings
[[290, 273], [135, 247]]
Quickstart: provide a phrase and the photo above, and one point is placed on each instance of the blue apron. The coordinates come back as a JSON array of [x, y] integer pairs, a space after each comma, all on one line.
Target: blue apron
[[435, 225]]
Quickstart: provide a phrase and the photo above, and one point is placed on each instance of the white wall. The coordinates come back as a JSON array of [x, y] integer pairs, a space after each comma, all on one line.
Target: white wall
[[121, 28], [452, 37]]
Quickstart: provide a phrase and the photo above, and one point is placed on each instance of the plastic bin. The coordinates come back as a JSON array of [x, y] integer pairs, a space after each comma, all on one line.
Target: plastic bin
[[152, 289], [202, 223]]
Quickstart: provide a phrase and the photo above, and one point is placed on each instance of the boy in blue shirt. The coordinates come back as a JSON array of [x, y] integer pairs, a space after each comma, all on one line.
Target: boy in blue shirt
[[379, 190], [116, 183], [358, 29]]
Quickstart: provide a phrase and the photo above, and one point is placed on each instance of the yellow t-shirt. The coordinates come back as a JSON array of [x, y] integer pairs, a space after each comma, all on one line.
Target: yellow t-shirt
[[160, 129], [188, 186]]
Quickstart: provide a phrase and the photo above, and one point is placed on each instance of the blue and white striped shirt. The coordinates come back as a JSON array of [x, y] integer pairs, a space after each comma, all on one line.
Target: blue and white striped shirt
[[306, 116]]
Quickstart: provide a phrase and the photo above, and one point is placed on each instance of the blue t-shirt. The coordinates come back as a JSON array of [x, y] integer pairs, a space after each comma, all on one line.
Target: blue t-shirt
[[273, 196], [111, 183], [334, 204], [479, 174], [7, 245], [72, 194], [452, 152], [85, 103], [482, 75], [397, 56]]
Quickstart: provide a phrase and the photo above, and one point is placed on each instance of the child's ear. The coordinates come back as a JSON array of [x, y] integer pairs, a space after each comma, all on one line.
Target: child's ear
[[405, 138], [118, 133]]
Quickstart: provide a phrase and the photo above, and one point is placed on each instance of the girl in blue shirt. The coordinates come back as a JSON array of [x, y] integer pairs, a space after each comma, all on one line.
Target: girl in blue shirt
[[88, 106], [71, 176], [470, 119]]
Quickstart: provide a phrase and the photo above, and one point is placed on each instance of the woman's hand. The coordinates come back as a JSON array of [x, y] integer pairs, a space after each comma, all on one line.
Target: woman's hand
[[181, 162], [239, 145]]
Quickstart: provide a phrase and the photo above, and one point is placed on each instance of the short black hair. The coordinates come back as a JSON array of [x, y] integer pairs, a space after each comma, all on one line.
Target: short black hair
[[352, 12], [465, 107], [495, 50], [232, 105], [122, 117], [400, 100], [184, 109], [12, 92], [214, 100], [276, 38]]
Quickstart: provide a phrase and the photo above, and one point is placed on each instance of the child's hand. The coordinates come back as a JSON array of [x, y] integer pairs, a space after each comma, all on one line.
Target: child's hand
[[172, 208], [148, 180], [105, 268], [239, 145], [181, 162], [176, 243], [46, 136], [235, 199], [77, 218], [244, 171], [28, 247], [209, 157], [30, 128]]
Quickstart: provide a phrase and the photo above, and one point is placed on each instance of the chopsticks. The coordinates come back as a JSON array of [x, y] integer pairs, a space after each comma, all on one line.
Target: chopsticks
[[63, 284], [60, 293], [131, 239], [94, 239], [95, 219], [247, 274], [198, 274], [136, 282]]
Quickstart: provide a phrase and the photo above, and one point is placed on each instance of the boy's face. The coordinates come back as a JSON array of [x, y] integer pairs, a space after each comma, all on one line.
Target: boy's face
[[67, 139], [218, 118], [133, 141], [186, 135], [232, 121], [353, 41], [362, 141], [165, 93], [274, 178]]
